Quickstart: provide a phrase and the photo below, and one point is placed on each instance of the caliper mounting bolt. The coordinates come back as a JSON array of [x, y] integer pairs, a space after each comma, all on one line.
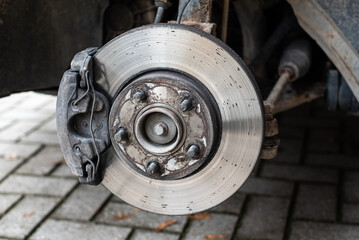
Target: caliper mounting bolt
[[121, 135], [186, 105], [193, 151], [153, 167], [140, 96]]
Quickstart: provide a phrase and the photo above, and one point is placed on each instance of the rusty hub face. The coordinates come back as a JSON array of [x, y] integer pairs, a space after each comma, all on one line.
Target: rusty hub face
[[138, 176], [164, 115]]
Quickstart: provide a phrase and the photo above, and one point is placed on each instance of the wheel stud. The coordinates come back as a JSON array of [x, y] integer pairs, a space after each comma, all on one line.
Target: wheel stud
[[186, 105], [153, 167], [193, 151], [140, 96], [121, 135]]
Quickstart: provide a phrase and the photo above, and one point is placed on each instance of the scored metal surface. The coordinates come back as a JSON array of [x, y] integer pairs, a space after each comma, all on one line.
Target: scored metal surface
[[223, 73]]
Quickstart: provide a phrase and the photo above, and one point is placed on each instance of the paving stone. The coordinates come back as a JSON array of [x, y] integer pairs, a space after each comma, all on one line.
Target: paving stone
[[5, 122], [232, 205], [25, 216], [41, 137], [265, 219], [6, 201], [290, 132], [218, 224], [270, 187], [50, 106], [351, 147], [139, 219], [43, 162], [26, 115], [332, 160], [327, 231], [351, 187], [37, 185], [114, 198], [147, 235], [351, 137], [34, 101], [83, 203], [351, 126], [8, 165], [63, 171], [4, 108], [324, 140], [350, 213], [17, 131], [13, 99], [49, 126], [64, 230], [12, 150], [289, 151], [316, 202], [299, 173]]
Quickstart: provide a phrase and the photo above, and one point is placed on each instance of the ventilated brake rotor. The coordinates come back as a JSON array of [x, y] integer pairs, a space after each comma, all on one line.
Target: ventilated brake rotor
[[186, 121]]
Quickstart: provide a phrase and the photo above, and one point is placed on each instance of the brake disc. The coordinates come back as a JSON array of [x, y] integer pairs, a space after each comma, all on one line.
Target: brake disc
[[186, 122]]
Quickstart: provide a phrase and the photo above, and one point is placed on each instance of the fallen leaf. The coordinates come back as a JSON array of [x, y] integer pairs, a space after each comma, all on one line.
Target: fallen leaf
[[138, 210], [28, 214], [123, 216], [165, 224], [216, 236], [199, 216]]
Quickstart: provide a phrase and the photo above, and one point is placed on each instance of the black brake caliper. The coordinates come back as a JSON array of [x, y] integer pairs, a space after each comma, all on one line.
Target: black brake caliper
[[82, 116]]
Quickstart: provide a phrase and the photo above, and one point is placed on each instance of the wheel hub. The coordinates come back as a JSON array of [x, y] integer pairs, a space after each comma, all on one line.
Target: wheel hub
[[173, 114]]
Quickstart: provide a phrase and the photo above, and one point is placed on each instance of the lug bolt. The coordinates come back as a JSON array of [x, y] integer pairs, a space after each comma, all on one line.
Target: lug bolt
[[186, 105], [153, 168], [121, 135], [193, 151], [140, 96], [161, 129]]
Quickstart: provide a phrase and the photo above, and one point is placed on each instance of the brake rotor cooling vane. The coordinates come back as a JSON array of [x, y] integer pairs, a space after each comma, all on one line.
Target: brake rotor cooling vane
[[186, 122]]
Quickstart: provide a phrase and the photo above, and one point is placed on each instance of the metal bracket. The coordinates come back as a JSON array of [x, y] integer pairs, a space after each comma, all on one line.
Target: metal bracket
[[82, 116]]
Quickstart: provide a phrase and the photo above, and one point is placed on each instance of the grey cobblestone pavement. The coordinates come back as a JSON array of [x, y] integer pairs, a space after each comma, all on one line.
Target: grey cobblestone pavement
[[310, 191]]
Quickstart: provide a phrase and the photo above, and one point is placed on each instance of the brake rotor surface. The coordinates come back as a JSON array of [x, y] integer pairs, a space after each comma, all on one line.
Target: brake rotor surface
[[185, 50]]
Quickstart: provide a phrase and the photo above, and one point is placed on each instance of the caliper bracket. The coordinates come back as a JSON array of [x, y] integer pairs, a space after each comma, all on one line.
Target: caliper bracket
[[82, 116]]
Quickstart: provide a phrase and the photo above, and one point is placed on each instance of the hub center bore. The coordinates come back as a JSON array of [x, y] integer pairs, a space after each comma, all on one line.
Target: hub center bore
[[159, 129]]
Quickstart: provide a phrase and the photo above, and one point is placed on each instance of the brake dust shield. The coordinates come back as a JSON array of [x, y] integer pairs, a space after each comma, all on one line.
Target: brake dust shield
[[239, 124]]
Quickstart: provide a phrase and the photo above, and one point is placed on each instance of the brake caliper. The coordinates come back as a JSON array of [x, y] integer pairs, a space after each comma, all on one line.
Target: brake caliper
[[82, 116]]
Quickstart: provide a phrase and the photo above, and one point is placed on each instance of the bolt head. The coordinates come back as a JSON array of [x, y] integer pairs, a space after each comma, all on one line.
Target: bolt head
[[161, 129], [140, 96], [193, 151], [121, 135], [186, 105], [153, 168]]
